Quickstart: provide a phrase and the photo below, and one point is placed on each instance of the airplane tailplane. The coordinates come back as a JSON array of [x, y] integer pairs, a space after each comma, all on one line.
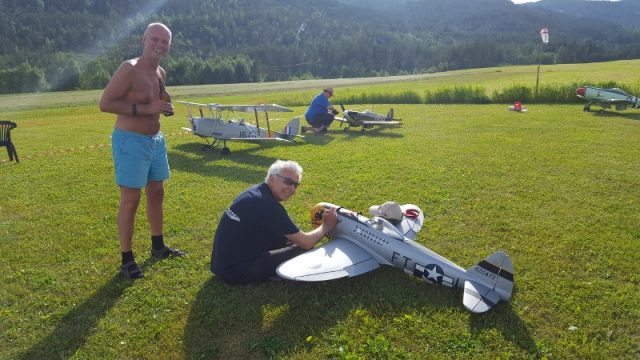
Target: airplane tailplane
[[291, 129], [490, 281], [495, 272]]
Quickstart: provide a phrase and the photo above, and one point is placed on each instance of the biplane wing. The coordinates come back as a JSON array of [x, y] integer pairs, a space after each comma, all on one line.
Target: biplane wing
[[252, 108]]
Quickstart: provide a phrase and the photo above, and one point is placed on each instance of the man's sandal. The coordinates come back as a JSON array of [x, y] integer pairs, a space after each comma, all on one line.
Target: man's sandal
[[166, 252], [131, 270]]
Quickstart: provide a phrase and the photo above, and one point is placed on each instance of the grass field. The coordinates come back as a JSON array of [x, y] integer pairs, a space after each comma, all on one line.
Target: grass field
[[556, 188]]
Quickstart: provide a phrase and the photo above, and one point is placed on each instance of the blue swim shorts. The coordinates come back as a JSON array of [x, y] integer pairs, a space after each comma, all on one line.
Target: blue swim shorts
[[139, 158]]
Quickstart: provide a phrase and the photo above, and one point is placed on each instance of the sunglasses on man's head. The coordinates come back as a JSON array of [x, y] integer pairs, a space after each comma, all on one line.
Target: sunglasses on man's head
[[289, 181]]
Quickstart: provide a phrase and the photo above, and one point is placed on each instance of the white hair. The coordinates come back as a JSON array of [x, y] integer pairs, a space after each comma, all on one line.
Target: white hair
[[280, 165]]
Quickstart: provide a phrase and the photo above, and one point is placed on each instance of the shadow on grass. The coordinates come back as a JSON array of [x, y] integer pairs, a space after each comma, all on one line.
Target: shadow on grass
[[376, 131], [504, 319], [212, 163], [271, 320], [617, 115], [75, 327]]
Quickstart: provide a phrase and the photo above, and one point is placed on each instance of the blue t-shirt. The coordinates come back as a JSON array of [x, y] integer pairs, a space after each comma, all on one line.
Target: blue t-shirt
[[254, 223], [319, 105]]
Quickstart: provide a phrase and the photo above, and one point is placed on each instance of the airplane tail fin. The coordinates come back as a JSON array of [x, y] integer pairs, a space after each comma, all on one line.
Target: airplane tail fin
[[390, 115], [490, 281], [291, 129]]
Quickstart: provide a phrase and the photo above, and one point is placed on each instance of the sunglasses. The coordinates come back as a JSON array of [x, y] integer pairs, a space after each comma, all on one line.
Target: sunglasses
[[289, 181]]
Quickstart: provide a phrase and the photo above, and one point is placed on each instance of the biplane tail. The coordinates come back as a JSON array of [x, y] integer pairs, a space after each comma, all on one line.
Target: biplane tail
[[291, 130], [489, 282]]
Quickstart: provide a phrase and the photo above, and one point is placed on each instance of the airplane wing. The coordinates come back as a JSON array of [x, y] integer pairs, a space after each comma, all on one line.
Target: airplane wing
[[336, 259], [478, 298], [252, 108], [256, 139], [370, 122], [620, 101], [381, 122]]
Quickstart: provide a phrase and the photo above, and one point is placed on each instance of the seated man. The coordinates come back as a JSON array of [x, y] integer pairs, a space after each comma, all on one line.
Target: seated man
[[320, 113], [255, 233]]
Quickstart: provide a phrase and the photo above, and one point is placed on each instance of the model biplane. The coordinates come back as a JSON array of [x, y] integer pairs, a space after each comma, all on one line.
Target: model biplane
[[366, 119], [219, 125], [359, 244], [606, 98]]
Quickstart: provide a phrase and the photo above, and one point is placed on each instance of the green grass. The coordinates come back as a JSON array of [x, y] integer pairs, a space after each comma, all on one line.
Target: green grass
[[556, 188]]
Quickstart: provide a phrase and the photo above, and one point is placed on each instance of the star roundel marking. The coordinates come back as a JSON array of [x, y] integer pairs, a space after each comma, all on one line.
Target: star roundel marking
[[433, 273]]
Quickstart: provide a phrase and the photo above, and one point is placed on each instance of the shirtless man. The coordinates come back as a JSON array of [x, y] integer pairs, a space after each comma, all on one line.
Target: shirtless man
[[139, 149]]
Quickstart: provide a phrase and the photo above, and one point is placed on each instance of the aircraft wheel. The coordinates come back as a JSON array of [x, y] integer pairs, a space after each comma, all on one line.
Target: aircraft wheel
[[345, 130], [225, 151], [586, 109], [362, 130], [601, 112]]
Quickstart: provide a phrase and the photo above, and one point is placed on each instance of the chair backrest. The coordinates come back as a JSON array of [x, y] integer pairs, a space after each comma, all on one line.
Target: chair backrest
[[5, 131]]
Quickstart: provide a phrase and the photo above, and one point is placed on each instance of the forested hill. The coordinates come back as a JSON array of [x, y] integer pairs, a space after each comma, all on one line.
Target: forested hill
[[71, 44], [625, 12]]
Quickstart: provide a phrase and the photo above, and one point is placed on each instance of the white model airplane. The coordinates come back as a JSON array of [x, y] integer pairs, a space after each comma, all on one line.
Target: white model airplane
[[606, 98], [359, 245], [216, 128], [366, 119]]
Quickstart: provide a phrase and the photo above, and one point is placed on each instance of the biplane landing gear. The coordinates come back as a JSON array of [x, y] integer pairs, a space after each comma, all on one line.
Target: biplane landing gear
[[225, 151]]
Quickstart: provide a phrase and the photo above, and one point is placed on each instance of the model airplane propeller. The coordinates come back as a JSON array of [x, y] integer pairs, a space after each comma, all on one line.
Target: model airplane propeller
[[606, 98], [359, 244], [366, 119], [216, 127]]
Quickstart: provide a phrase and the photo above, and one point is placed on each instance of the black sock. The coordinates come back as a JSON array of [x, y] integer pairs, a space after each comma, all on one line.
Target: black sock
[[127, 256], [157, 242]]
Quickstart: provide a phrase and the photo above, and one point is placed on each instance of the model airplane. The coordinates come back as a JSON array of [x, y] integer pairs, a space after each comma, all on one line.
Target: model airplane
[[517, 107], [216, 127], [606, 98], [366, 119], [359, 245]]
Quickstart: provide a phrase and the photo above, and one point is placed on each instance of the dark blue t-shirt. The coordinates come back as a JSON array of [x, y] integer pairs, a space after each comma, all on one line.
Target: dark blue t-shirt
[[319, 105], [254, 223]]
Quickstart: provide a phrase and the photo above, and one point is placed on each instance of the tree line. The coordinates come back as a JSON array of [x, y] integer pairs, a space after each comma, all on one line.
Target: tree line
[[78, 44]]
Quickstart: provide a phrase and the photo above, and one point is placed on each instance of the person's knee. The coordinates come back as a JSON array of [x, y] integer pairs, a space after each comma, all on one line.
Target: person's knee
[[155, 191], [129, 199]]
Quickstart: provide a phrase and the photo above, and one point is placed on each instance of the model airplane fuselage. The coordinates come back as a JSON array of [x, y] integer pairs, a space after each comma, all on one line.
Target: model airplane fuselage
[[606, 98], [215, 126], [360, 244], [366, 119]]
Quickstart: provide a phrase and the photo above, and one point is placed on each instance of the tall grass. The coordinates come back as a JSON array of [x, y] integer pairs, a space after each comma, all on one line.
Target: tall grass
[[466, 94]]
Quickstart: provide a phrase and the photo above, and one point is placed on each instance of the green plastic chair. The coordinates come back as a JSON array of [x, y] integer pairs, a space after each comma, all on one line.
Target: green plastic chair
[[5, 138]]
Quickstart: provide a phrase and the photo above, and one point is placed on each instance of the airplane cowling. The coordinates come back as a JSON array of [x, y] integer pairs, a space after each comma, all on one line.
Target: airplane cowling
[[317, 211]]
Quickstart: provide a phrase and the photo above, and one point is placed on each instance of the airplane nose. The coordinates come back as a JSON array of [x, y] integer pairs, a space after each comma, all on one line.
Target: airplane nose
[[580, 91]]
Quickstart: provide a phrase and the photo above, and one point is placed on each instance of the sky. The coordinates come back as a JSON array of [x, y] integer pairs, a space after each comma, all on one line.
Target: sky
[[528, 1]]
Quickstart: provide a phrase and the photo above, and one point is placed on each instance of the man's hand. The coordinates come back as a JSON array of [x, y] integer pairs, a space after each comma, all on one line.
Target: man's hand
[[329, 219]]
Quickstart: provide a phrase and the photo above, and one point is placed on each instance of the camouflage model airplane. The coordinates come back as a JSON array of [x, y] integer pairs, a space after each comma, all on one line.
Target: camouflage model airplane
[[366, 119], [606, 98]]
